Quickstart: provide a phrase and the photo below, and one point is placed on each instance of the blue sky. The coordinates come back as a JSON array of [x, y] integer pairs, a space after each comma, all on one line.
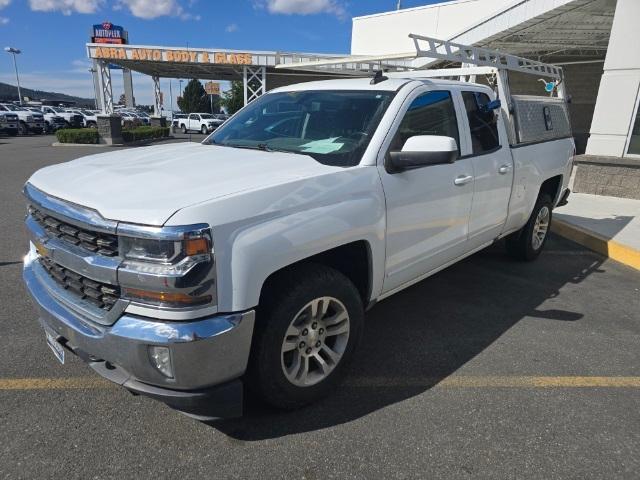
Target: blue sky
[[52, 33]]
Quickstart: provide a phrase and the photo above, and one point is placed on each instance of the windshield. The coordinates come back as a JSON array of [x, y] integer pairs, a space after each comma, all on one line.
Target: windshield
[[333, 127]]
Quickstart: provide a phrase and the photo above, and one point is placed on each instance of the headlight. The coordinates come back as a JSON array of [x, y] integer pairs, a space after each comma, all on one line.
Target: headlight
[[170, 267], [147, 250]]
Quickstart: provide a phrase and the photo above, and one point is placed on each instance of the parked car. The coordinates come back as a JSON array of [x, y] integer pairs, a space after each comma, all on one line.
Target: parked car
[[9, 123], [182, 271], [129, 119], [28, 121], [89, 118], [175, 120], [72, 120], [199, 122], [52, 121]]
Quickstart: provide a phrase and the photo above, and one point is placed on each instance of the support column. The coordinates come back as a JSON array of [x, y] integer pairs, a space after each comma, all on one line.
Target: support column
[[157, 120], [128, 88], [614, 116], [106, 92], [255, 82], [157, 97]]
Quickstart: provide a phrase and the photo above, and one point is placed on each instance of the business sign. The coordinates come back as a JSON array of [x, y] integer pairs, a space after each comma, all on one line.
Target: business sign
[[212, 88], [107, 32], [170, 55]]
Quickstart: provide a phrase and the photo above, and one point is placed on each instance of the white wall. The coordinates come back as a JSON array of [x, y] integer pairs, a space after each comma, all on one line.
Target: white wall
[[617, 97], [384, 33]]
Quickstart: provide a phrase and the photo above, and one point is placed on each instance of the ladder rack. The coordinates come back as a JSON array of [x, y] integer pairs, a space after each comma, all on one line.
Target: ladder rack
[[482, 57], [473, 60]]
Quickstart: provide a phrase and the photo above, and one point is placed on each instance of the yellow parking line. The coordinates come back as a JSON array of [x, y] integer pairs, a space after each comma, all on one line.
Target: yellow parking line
[[456, 381], [53, 383], [460, 381]]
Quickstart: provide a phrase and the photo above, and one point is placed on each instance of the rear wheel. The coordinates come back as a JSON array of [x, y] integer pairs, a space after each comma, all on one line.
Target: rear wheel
[[308, 328], [204, 130], [528, 242]]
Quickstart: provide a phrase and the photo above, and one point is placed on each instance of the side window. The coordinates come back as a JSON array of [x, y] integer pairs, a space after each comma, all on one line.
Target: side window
[[483, 123], [193, 116], [432, 113]]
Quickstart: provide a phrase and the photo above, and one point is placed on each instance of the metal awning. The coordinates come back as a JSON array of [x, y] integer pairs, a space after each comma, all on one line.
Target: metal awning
[[564, 29], [256, 69]]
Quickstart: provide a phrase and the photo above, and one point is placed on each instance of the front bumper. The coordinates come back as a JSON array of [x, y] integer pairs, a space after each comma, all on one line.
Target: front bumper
[[36, 126], [208, 355]]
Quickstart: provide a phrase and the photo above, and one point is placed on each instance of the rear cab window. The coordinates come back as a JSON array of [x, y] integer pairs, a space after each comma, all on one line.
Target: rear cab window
[[483, 123]]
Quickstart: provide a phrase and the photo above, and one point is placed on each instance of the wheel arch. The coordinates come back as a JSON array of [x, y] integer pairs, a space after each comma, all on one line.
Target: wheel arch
[[353, 260], [552, 186]]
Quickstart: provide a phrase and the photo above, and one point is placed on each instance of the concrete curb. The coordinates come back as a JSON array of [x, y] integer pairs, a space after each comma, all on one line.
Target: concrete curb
[[602, 245]]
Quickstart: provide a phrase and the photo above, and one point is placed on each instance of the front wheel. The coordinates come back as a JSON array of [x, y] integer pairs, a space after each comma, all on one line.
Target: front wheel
[[23, 129], [527, 243], [309, 325], [184, 129]]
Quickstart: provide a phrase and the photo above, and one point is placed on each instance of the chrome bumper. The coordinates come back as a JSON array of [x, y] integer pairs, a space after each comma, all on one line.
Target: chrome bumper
[[204, 352]]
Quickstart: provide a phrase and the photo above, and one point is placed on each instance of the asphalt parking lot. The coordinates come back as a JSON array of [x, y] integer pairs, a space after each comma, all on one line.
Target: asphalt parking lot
[[490, 369]]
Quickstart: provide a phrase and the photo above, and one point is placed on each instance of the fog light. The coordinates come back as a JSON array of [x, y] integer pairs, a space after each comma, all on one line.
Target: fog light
[[161, 359]]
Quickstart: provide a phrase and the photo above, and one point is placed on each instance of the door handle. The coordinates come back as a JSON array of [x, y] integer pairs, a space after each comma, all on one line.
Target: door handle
[[463, 180], [504, 169]]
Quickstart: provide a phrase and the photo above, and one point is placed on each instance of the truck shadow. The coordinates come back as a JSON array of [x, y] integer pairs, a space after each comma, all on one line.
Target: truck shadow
[[422, 335]]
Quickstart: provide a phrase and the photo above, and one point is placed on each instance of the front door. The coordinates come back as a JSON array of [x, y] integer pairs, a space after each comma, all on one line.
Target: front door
[[493, 166], [427, 208], [193, 122]]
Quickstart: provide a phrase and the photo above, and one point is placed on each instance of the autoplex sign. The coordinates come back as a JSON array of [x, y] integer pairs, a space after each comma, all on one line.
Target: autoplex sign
[[107, 32], [177, 56]]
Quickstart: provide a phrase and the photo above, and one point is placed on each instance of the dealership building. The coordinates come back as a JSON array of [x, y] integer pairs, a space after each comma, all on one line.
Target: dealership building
[[594, 41]]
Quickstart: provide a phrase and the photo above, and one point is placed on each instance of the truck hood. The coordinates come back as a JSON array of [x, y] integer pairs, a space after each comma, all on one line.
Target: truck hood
[[148, 185]]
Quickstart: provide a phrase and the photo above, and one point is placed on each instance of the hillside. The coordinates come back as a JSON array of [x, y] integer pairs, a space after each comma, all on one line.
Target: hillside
[[10, 93]]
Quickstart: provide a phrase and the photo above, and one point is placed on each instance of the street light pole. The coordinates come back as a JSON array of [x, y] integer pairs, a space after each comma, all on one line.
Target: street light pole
[[14, 52], [93, 77]]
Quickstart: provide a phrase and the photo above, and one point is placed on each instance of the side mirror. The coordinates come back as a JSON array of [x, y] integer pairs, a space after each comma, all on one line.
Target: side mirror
[[421, 151], [493, 105]]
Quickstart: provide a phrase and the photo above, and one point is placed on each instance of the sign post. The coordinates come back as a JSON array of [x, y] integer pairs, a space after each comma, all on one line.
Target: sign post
[[212, 88]]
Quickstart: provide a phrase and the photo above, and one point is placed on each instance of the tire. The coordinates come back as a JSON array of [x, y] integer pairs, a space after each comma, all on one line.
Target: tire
[[14, 132], [204, 130], [273, 373], [23, 129], [184, 129], [527, 243], [92, 125]]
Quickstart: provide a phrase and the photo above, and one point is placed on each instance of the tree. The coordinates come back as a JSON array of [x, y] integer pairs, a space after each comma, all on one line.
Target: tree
[[194, 99], [233, 99]]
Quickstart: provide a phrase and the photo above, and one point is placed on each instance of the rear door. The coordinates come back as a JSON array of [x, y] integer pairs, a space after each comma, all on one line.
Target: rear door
[[488, 149], [427, 208]]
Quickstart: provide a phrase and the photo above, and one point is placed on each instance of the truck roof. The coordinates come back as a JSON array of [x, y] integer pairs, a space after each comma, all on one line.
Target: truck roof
[[391, 84]]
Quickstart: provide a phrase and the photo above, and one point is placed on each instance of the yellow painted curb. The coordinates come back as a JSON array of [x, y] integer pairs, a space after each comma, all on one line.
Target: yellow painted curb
[[593, 241]]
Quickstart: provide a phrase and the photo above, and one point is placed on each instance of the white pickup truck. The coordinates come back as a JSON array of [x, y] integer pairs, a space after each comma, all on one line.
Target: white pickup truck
[[199, 122], [28, 121], [182, 271]]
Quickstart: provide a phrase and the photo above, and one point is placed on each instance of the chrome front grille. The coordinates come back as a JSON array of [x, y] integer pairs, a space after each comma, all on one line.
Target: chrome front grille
[[96, 242], [102, 295]]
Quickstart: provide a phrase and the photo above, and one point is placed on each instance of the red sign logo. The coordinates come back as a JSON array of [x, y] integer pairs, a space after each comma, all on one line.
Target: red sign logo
[[107, 25]]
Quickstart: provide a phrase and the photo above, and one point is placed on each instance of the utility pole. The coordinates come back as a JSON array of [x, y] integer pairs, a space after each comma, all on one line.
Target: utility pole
[[14, 52]]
